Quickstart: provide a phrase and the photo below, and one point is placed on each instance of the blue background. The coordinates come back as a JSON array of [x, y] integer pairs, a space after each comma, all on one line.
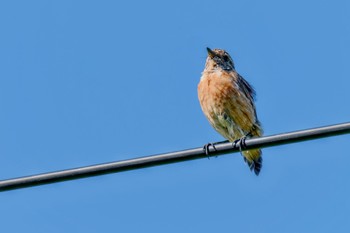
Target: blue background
[[85, 82]]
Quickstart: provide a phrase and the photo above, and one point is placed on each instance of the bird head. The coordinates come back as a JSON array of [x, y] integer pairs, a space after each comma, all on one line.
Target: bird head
[[219, 59]]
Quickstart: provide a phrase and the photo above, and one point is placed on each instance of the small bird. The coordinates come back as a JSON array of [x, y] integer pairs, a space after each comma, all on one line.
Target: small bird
[[227, 100]]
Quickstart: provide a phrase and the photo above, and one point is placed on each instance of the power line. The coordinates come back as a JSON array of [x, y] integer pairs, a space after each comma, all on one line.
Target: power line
[[172, 157]]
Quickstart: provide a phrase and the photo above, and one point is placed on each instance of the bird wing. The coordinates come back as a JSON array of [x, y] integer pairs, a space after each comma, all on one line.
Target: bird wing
[[247, 89], [249, 92]]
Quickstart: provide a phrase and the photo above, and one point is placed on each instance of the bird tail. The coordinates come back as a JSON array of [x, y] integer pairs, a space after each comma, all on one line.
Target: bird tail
[[253, 159]]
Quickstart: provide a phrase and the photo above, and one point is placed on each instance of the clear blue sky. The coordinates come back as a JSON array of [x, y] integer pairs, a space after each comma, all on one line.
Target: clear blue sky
[[85, 82]]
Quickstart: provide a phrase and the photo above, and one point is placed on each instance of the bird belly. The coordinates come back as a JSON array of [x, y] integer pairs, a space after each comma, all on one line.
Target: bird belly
[[226, 108]]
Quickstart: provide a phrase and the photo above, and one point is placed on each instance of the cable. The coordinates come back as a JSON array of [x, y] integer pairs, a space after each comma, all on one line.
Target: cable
[[172, 157]]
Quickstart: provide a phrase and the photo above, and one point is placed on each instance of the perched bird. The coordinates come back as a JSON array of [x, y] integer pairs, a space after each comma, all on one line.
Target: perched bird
[[227, 100]]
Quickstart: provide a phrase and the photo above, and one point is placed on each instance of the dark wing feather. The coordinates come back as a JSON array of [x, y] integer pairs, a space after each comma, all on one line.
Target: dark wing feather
[[249, 92], [247, 89]]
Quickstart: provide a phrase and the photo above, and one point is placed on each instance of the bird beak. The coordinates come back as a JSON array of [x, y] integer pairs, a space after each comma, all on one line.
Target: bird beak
[[211, 53]]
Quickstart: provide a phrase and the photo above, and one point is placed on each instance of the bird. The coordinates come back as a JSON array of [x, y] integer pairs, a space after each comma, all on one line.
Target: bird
[[227, 101]]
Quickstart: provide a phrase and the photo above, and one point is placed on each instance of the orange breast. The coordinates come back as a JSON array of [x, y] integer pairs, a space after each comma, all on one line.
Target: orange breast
[[226, 107]]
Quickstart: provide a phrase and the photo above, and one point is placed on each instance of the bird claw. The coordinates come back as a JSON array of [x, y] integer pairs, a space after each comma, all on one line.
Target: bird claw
[[206, 148], [240, 143]]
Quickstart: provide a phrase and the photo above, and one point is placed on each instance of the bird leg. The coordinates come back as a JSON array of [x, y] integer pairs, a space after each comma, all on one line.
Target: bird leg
[[240, 143], [206, 147]]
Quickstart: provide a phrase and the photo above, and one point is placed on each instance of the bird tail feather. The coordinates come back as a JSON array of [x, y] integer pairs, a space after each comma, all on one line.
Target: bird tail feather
[[253, 159]]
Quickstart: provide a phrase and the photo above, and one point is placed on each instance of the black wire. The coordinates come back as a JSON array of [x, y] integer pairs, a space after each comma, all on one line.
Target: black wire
[[172, 157]]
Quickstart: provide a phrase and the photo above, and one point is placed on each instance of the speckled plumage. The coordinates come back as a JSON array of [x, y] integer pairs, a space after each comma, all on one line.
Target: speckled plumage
[[227, 100]]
